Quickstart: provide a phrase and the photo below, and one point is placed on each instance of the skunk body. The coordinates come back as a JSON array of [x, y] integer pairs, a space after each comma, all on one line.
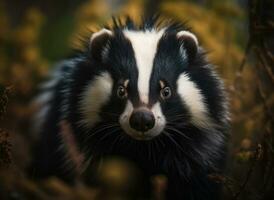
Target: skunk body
[[147, 94]]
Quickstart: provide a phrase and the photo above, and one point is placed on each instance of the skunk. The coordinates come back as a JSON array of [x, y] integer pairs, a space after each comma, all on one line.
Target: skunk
[[146, 93]]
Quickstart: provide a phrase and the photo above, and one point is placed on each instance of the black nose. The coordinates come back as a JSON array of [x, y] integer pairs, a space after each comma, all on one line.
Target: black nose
[[142, 120]]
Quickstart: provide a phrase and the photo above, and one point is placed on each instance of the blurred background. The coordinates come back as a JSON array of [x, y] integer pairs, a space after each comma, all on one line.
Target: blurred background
[[238, 34]]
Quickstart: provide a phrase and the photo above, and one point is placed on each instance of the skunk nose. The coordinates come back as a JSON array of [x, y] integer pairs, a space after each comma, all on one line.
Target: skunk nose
[[142, 120]]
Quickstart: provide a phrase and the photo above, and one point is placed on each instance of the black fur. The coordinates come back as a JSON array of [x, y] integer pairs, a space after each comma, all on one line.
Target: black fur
[[187, 158]]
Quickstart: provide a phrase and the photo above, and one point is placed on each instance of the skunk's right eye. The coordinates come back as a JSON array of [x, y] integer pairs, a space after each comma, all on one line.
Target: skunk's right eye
[[166, 93], [121, 92]]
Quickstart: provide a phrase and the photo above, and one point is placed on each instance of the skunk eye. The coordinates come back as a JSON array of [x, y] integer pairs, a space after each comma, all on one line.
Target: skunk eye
[[165, 93], [121, 92]]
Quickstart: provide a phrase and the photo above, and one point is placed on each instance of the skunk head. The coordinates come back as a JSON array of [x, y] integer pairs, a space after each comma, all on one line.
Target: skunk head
[[150, 81]]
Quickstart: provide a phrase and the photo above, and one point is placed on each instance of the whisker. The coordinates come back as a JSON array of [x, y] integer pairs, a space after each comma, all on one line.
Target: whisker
[[154, 146], [173, 141], [161, 142], [107, 134], [178, 132], [171, 110], [179, 146], [119, 139], [176, 124], [116, 141], [104, 137], [179, 116], [102, 128], [149, 150], [108, 113]]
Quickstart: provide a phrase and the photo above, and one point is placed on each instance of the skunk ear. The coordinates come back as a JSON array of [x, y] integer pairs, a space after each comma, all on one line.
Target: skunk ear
[[99, 44], [189, 44]]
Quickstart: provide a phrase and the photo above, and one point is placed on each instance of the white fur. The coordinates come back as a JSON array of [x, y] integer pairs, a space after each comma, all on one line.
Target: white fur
[[39, 119], [96, 94], [42, 104], [50, 84], [106, 47], [159, 126], [225, 114], [188, 34], [194, 100], [145, 46], [103, 31], [44, 98]]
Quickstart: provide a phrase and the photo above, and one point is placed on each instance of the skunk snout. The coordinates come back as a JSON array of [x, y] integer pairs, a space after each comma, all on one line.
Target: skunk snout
[[142, 120]]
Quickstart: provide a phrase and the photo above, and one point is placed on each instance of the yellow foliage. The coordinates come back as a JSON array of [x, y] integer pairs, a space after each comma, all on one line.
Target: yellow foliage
[[25, 35], [228, 9], [4, 24], [30, 54], [92, 10], [92, 15], [34, 18], [26, 62], [215, 34]]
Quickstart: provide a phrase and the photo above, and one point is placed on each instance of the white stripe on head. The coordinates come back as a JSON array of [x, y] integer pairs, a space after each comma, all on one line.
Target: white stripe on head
[[124, 118], [194, 100], [160, 120], [144, 46], [96, 94]]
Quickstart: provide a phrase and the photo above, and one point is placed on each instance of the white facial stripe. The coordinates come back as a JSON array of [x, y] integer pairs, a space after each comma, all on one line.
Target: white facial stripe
[[124, 117], [159, 126], [160, 120], [194, 100], [94, 97], [144, 45]]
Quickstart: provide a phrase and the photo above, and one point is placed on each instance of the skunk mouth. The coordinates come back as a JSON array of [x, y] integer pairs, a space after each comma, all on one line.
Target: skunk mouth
[[141, 136], [138, 135]]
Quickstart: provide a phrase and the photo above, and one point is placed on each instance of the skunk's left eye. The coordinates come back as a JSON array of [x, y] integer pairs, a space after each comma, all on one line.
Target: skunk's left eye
[[165, 93], [121, 92]]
